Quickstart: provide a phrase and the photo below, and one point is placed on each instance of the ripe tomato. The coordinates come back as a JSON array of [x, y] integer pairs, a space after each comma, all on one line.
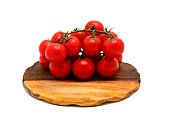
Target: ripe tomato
[[57, 37], [107, 67], [44, 62], [92, 46], [73, 46], [95, 58], [73, 58], [56, 53], [104, 37], [94, 25], [80, 35], [119, 59], [83, 68], [113, 48], [43, 45], [60, 70]]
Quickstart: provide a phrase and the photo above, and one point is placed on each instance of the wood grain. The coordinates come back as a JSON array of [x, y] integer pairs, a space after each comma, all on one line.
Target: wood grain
[[40, 84]]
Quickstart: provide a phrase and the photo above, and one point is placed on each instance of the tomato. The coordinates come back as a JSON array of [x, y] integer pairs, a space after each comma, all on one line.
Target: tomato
[[73, 58], [80, 35], [57, 37], [83, 68], [44, 62], [94, 25], [107, 67], [43, 45], [104, 37], [92, 46], [60, 70], [73, 46], [56, 53], [119, 59], [95, 58], [113, 47]]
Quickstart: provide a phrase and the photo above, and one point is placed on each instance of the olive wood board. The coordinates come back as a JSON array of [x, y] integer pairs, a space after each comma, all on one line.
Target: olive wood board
[[40, 84]]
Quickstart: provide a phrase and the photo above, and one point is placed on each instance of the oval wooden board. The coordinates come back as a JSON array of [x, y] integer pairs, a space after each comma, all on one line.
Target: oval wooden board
[[40, 84]]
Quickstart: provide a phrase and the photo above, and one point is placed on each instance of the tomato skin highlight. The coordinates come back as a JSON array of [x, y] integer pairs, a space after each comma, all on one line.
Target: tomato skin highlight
[[83, 68], [61, 70], [107, 67], [56, 53], [73, 46], [113, 48], [92, 46], [43, 45], [80, 35], [44, 62]]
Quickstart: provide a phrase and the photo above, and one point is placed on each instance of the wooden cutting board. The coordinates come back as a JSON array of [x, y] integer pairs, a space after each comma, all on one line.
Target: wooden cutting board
[[40, 84]]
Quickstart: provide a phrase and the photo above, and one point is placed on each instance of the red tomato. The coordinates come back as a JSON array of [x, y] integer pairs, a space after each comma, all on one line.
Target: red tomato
[[104, 37], [92, 46], [57, 37], [83, 68], [43, 45], [107, 67], [73, 58], [80, 35], [73, 46], [113, 48], [95, 58], [60, 70], [94, 25], [56, 53], [44, 62], [119, 59]]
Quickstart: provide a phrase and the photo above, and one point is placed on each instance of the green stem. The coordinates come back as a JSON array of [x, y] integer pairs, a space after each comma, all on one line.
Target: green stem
[[83, 30], [106, 31]]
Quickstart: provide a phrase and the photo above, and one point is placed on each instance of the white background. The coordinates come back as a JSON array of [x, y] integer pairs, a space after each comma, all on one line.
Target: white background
[[143, 25]]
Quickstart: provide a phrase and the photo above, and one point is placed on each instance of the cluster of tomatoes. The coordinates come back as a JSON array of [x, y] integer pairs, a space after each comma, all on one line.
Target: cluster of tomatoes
[[82, 52]]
